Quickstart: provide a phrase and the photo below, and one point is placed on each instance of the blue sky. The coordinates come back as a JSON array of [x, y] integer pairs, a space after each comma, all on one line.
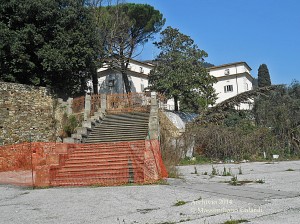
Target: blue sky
[[254, 31]]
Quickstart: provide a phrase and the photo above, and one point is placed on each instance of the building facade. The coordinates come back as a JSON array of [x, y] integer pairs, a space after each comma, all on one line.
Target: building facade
[[110, 80], [232, 79]]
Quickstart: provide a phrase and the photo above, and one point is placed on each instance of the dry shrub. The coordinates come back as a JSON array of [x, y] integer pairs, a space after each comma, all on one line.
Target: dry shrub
[[171, 155], [221, 142], [170, 145]]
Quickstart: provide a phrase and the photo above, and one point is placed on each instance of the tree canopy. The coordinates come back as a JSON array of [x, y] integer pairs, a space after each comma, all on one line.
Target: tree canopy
[[263, 77], [124, 27], [180, 73], [47, 43]]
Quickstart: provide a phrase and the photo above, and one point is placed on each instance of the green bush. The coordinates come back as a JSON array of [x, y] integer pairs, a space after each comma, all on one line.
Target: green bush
[[70, 123]]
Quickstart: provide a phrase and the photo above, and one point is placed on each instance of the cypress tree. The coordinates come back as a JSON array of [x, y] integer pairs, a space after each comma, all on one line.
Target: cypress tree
[[263, 76]]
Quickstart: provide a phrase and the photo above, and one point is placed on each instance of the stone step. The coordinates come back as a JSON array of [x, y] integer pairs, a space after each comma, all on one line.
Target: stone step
[[120, 135], [112, 145], [100, 160], [106, 155], [121, 127], [128, 149], [116, 150], [97, 172], [102, 176], [113, 124], [99, 153], [116, 180], [126, 119], [117, 165], [132, 130], [128, 115], [112, 140]]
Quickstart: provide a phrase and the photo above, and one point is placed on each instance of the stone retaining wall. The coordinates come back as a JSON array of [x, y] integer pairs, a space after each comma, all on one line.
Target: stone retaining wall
[[28, 113]]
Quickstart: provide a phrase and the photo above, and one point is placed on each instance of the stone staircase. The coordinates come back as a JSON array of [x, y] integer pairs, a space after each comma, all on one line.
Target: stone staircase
[[114, 154], [120, 127], [104, 164]]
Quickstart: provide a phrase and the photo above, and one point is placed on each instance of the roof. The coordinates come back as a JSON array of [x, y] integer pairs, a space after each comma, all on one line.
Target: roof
[[230, 64], [129, 72], [234, 75], [145, 63]]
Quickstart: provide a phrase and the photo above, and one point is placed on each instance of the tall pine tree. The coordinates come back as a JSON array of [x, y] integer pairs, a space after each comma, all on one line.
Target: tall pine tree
[[263, 76]]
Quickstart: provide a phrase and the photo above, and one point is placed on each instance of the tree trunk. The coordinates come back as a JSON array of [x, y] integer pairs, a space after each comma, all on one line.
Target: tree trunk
[[126, 82], [176, 103], [124, 72], [95, 81]]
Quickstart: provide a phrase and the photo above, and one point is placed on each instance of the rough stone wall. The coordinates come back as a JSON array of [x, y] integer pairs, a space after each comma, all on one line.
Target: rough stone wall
[[28, 113], [167, 127]]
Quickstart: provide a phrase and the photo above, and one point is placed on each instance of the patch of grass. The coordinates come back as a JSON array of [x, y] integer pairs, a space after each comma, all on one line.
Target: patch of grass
[[235, 182], [260, 181], [195, 160], [236, 221], [290, 169], [162, 182], [180, 203]]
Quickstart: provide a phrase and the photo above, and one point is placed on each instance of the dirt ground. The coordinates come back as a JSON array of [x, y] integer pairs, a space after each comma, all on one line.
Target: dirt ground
[[265, 193]]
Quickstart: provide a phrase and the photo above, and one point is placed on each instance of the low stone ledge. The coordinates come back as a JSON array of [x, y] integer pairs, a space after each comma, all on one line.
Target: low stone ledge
[[68, 140]]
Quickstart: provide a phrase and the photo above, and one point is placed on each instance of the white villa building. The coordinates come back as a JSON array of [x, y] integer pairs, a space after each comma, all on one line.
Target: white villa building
[[233, 78], [110, 81]]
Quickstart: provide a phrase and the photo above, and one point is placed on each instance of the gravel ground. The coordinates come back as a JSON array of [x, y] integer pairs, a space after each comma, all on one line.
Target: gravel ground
[[201, 199]]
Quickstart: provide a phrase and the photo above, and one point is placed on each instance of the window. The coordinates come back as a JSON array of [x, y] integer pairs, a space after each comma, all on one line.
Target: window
[[141, 70], [228, 88], [226, 72]]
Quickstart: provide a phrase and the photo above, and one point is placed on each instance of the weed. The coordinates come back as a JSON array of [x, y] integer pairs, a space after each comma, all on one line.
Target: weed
[[290, 169], [236, 221], [179, 203], [234, 181], [205, 173], [196, 171], [260, 181], [226, 173], [240, 170], [214, 171]]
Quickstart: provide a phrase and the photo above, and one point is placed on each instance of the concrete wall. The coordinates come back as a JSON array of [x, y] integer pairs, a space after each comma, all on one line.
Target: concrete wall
[[28, 113]]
